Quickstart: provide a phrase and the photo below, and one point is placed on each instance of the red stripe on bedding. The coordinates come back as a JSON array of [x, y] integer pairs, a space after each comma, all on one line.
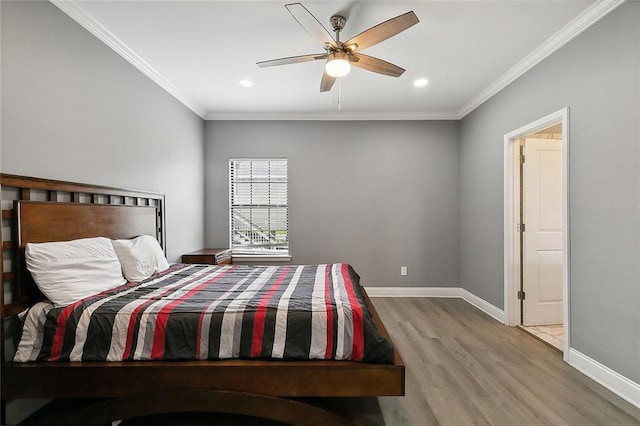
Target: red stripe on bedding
[[159, 336], [357, 351], [134, 318], [61, 328], [327, 299], [199, 336], [261, 313], [61, 324]]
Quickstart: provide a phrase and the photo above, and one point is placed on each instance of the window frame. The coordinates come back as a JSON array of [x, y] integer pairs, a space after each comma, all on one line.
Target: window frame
[[253, 257]]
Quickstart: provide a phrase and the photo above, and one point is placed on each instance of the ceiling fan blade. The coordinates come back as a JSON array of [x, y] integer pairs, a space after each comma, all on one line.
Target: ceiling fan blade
[[370, 63], [327, 82], [292, 60], [310, 24], [382, 31]]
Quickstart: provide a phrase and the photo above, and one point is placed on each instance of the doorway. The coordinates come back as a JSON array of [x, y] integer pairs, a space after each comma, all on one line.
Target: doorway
[[536, 229]]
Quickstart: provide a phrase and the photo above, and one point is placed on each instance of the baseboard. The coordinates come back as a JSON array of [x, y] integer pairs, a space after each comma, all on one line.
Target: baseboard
[[615, 382], [413, 291], [483, 305], [458, 292]]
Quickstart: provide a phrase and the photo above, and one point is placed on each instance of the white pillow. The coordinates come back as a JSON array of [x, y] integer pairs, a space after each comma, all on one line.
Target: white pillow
[[67, 271], [140, 257]]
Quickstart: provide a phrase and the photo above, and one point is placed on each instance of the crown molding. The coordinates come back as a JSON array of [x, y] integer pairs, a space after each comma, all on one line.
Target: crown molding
[[590, 16], [79, 14], [332, 116]]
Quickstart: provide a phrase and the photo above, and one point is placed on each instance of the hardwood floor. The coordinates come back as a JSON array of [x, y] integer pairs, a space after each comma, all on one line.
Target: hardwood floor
[[463, 367]]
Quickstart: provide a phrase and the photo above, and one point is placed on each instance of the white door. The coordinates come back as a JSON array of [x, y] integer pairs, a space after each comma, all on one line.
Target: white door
[[542, 216]]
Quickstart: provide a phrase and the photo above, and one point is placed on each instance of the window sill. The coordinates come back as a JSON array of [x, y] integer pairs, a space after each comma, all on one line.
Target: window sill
[[261, 258]]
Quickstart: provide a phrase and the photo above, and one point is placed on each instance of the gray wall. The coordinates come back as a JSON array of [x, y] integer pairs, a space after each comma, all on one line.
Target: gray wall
[[379, 195], [598, 76], [72, 109]]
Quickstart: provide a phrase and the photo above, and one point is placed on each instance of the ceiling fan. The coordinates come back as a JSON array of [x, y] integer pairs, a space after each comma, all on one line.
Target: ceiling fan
[[340, 55]]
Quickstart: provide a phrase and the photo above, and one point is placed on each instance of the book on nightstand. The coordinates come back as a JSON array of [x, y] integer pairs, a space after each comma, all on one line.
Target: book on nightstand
[[210, 256]]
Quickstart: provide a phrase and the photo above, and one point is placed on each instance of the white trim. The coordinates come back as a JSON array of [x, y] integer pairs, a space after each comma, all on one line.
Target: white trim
[[610, 379], [511, 205], [511, 265], [333, 116], [260, 258], [79, 14], [590, 16], [448, 292], [414, 291], [483, 305]]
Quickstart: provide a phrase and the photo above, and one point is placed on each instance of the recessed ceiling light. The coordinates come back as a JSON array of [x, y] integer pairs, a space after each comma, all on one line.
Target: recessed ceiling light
[[421, 82], [246, 83]]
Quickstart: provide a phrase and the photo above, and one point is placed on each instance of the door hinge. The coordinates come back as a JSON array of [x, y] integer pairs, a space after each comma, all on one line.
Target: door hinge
[[521, 159], [521, 295], [520, 227]]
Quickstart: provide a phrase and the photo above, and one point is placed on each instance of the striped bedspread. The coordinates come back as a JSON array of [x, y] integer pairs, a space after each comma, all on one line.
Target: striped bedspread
[[213, 312]]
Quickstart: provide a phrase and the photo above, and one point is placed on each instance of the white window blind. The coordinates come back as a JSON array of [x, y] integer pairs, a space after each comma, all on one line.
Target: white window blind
[[259, 212]]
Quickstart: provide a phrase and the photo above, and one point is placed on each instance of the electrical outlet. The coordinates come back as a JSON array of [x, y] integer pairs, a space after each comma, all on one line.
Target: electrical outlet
[[403, 270]]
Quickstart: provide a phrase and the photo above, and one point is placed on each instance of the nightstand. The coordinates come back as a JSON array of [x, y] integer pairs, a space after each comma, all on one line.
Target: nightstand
[[210, 256]]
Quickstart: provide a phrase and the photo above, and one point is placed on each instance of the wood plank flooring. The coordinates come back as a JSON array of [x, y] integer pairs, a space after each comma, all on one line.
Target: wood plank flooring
[[465, 368]]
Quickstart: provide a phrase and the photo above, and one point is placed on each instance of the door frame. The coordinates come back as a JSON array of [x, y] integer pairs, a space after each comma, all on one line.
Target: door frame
[[511, 180]]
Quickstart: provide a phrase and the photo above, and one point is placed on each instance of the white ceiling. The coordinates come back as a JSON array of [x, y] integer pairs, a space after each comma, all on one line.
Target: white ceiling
[[199, 50]]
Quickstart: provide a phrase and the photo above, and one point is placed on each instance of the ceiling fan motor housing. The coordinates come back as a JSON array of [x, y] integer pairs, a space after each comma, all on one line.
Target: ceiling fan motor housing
[[337, 22]]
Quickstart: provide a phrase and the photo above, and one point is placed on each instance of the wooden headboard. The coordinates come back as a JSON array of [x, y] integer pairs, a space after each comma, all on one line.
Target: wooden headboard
[[43, 210]]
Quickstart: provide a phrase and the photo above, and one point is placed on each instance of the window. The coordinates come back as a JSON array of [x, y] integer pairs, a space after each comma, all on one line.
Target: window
[[259, 213]]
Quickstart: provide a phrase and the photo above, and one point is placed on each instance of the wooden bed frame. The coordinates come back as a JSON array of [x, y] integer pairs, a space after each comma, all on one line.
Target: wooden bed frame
[[39, 210]]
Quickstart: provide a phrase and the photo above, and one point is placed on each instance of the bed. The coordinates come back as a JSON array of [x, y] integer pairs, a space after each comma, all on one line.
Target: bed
[[41, 210]]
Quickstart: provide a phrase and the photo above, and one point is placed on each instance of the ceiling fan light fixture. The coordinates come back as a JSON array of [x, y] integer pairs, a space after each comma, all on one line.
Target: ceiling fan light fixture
[[338, 64]]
